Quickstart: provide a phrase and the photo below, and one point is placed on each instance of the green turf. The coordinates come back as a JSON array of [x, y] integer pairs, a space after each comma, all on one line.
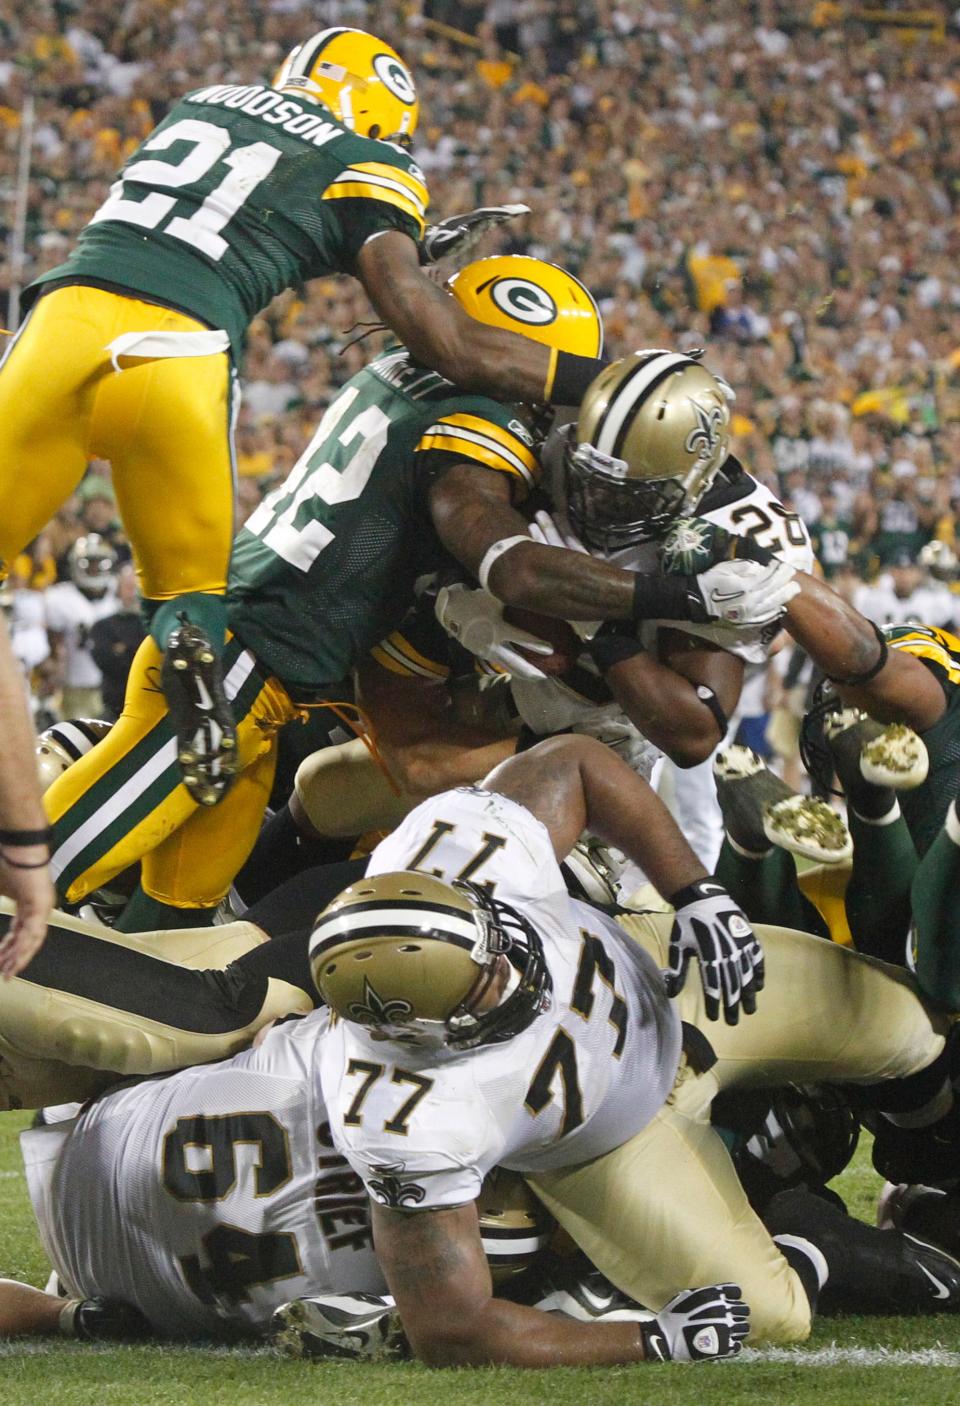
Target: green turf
[[66, 1374]]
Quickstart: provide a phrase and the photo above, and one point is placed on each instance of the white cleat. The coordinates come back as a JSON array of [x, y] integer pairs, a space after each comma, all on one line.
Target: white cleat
[[897, 758], [808, 828]]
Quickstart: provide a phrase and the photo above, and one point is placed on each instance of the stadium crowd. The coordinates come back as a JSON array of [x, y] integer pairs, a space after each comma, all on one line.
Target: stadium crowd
[[783, 190]]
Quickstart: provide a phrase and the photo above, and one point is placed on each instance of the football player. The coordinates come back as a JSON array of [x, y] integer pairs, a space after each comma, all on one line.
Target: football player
[[400, 471], [131, 347], [651, 446], [73, 607], [518, 965]]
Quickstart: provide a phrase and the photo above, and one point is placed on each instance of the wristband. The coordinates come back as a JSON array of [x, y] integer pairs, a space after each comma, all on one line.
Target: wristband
[[569, 377], [692, 893], [653, 1340], [855, 680], [16, 864], [494, 553], [608, 650], [709, 699], [23, 838], [666, 598]]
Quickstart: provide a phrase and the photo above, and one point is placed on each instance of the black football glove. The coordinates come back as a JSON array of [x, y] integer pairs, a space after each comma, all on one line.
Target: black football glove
[[698, 1324], [458, 234], [709, 926]]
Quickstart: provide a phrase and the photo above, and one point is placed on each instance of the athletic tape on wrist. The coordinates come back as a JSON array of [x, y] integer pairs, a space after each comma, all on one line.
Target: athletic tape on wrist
[[493, 554]]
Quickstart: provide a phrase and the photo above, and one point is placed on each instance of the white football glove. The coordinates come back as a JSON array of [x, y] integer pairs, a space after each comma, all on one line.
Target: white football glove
[[698, 1324], [746, 593], [458, 234], [709, 926], [475, 619], [552, 531]]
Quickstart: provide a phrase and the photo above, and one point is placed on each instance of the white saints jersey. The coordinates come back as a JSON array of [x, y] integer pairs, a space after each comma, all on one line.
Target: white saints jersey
[[72, 614], [738, 503], [422, 1127], [207, 1198]]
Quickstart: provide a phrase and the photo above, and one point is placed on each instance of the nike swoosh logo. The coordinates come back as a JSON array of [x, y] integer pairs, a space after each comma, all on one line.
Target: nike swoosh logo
[[940, 1290]]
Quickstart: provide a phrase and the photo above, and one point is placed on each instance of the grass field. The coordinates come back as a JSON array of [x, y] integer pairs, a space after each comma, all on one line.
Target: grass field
[[885, 1362]]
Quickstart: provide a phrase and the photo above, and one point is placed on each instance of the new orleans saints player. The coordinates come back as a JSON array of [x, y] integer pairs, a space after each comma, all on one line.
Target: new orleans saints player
[[130, 348], [401, 470], [652, 443]]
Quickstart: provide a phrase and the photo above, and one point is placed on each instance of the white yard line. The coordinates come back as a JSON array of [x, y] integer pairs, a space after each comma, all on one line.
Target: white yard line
[[854, 1356]]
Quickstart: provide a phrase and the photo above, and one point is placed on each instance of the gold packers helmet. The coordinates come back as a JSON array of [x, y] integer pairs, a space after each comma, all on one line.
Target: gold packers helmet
[[59, 746], [359, 78], [540, 300], [413, 957], [654, 428]]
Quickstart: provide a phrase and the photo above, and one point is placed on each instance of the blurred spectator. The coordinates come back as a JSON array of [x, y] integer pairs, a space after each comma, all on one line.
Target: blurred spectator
[[114, 640], [73, 607], [906, 595]]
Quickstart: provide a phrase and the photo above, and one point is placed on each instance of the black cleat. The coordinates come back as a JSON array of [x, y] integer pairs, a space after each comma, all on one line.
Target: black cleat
[[103, 1320], [870, 1270], [192, 683], [359, 1327]]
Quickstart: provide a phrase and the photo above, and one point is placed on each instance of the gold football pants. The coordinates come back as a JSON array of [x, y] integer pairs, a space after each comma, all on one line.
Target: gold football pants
[[89, 1009], [164, 424], [125, 800], [666, 1211]]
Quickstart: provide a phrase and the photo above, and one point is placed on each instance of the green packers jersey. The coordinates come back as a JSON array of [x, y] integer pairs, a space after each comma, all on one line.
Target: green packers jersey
[[238, 194], [325, 567], [925, 809]]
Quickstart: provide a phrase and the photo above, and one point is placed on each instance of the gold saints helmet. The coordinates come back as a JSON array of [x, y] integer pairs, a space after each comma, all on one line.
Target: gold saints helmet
[[413, 957], [59, 746], [654, 428], [357, 77], [514, 1225], [530, 296]]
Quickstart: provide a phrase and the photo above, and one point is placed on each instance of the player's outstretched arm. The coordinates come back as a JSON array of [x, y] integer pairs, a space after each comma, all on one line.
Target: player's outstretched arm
[[439, 1276], [438, 333], [573, 784], [24, 852], [889, 684]]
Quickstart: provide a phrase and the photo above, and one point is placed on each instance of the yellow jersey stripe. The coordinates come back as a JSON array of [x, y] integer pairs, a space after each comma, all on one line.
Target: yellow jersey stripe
[[468, 449], [934, 652], [505, 438], [393, 173], [348, 191], [349, 177], [399, 656]]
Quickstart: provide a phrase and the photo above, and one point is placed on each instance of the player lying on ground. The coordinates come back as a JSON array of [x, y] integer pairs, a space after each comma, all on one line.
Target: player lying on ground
[[578, 1098], [131, 348]]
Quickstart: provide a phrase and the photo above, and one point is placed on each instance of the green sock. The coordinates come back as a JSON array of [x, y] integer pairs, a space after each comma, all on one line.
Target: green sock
[[145, 914], [878, 894], [200, 607], [936, 911], [765, 886]]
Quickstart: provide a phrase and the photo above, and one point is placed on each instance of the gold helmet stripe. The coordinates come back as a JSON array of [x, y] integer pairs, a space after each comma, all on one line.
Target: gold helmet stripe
[[392, 918], [301, 65], [627, 398]]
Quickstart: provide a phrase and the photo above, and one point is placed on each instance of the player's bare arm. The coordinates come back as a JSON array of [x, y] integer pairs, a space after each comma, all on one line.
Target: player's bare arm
[[471, 510], [24, 849], [442, 336], [682, 705], [437, 1272], [895, 687], [425, 746], [572, 784]]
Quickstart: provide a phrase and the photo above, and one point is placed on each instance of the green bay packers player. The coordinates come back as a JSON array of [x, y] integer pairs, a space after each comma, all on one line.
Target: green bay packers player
[[652, 442], [130, 348], [401, 471]]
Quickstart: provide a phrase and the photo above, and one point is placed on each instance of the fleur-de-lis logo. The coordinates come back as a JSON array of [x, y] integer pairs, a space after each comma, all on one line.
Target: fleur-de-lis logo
[[389, 1188], [374, 1010], [704, 438]]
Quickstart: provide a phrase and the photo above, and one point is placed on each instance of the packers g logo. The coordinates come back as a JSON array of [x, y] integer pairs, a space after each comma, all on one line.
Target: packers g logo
[[524, 301], [395, 78]]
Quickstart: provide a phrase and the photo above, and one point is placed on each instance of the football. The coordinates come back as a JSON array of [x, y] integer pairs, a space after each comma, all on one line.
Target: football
[[558, 633]]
